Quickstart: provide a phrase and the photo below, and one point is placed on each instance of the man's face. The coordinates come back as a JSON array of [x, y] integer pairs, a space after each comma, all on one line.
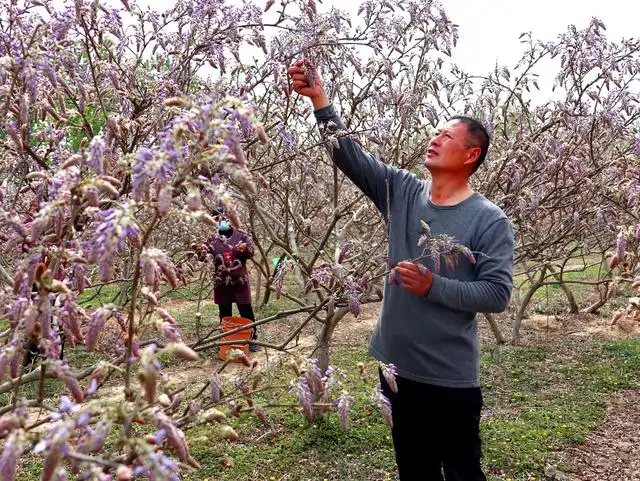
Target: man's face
[[450, 150]]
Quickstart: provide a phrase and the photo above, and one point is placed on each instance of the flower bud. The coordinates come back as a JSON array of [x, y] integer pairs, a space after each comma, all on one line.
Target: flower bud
[[227, 432]]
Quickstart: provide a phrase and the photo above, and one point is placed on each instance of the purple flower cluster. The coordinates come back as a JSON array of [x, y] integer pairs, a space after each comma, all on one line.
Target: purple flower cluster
[[98, 319], [437, 246], [353, 292], [11, 452], [304, 396], [154, 263], [384, 405], [322, 275], [389, 373], [343, 406], [114, 227], [215, 385]]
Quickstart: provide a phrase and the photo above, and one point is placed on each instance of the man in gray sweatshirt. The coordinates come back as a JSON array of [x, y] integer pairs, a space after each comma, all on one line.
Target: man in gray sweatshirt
[[427, 327]]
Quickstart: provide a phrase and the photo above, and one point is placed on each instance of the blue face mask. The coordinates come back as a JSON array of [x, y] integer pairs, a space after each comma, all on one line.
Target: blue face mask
[[224, 225]]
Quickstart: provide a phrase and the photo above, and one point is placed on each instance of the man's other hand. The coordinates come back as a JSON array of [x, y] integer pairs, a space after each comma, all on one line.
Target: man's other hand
[[415, 278]]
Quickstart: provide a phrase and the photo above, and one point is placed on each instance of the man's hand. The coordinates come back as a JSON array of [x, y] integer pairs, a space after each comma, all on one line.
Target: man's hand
[[307, 82], [415, 278]]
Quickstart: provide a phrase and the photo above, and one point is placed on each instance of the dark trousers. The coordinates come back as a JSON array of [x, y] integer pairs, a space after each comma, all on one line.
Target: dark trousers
[[245, 311], [436, 430]]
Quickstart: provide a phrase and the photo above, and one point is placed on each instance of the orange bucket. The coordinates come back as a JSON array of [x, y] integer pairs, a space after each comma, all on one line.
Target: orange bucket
[[228, 324]]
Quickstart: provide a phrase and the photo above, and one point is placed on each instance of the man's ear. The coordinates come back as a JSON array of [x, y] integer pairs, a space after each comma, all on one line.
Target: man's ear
[[472, 156]]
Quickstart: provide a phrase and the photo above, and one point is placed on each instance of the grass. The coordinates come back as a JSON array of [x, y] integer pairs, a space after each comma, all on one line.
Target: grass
[[294, 449], [544, 401], [537, 401]]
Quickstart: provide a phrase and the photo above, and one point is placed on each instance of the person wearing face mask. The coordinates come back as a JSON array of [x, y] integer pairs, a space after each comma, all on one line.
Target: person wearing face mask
[[231, 248]]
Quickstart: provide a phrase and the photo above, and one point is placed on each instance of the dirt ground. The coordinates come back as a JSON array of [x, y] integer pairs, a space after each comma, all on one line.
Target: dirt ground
[[612, 451]]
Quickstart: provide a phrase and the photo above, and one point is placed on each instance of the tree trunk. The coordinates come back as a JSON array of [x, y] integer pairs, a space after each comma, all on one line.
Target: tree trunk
[[573, 305], [495, 328], [535, 285], [523, 309], [323, 342]]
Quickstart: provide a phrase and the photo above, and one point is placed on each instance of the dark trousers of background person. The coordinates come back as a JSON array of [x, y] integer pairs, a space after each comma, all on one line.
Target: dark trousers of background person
[[436, 429], [245, 310]]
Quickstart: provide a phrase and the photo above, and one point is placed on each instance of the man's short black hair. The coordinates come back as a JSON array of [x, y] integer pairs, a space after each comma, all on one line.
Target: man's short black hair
[[478, 137]]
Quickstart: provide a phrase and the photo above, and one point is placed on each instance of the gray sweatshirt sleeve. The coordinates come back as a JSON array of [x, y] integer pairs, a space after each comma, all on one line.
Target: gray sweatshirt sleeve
[[367, 173], [490, 292]]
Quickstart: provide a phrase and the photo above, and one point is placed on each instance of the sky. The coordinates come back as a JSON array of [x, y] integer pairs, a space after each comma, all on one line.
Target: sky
[[489, 29]]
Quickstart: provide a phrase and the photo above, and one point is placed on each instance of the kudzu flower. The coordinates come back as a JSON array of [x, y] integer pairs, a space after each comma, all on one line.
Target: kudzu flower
[[244, 388], [174, 437], [353, 292], [148, 375], [304, 397], [64, 372], [288, 140], [314, 378], [98, 319], [384, 405], [165, 196], [194, 407], [11, 452], [158, 466], [6, 355], [65, 404], [345, 249], [343, 405], [96, 157], [79, 276], [140, 178], [98, 436], [354, 304], [8, 423], [115, 227], [319, 275], [389, 373], [44, 316], [155, 261], [170, 332], [215, 384], [329, 379], [331, 306], [16, 361], [55, 450], [310, 72], [261, 414], [621, 246]]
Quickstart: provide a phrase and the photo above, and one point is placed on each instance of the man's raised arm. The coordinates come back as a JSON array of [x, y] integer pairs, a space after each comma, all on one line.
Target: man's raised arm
[[367, 173]]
